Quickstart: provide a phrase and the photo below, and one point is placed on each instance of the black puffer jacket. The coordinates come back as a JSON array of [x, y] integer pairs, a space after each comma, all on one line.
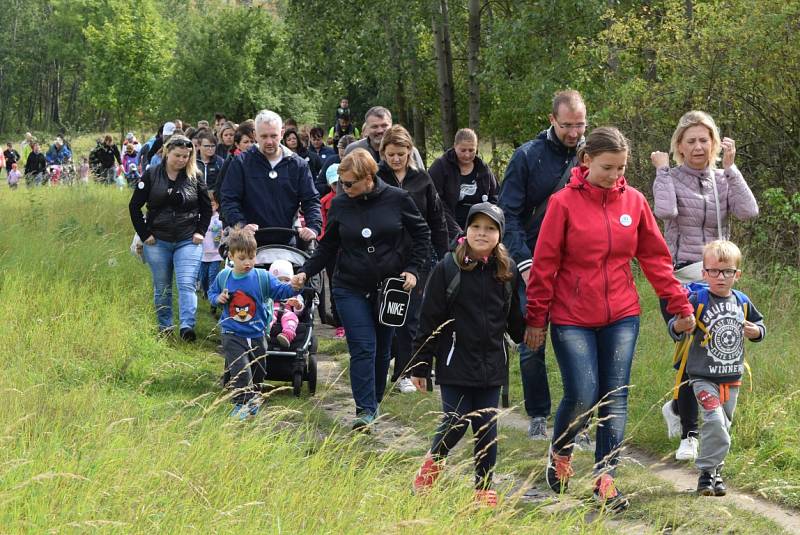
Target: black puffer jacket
[[471, 349], [390, 215], [446, 176], [419, 184], [175, 209]]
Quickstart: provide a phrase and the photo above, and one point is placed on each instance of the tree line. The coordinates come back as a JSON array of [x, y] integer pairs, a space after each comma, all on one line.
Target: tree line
[[492, 65]]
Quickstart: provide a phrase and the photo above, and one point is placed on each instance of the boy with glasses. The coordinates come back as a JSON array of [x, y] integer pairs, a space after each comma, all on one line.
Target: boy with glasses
[[713, 355]]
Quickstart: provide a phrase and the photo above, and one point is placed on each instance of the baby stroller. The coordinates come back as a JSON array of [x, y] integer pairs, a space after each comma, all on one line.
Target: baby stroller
[[298, 362]]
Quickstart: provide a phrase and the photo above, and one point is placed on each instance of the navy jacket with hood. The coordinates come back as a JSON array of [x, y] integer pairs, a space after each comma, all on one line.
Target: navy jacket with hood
[[249, 195], [533, 172]]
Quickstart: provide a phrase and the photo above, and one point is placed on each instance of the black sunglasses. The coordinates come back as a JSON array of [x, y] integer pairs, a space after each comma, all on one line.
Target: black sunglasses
[[347, 185]]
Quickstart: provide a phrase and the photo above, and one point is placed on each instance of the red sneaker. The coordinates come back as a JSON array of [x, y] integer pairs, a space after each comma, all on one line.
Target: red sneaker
[[339, 333], [427, 474], [486, 498]]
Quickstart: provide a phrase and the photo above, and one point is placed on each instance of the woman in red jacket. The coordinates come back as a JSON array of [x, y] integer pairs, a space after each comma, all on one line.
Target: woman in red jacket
[[581, 283]]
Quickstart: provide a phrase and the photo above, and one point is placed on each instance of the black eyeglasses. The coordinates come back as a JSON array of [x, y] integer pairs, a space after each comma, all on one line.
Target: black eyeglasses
[[347, 185], [185, 143], [726, 273], [209, 146]]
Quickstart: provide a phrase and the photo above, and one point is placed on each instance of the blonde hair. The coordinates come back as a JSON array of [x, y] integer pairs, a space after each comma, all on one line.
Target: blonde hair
[[465, 135], [696, 118], [500, 253], [398, 136], [723, 251], [360, 163], [191, 165]]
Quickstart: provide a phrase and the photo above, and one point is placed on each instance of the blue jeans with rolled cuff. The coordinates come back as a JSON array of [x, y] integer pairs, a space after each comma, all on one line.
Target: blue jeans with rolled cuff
[[595, 364]]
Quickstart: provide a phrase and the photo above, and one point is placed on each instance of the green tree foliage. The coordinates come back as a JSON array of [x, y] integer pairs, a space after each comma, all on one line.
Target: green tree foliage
[[129, 59]]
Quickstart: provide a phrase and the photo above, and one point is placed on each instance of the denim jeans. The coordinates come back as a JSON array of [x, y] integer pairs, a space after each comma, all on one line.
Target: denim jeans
[[534, 373], [183, 258], [208, 272], [595, 367], [369, 344]]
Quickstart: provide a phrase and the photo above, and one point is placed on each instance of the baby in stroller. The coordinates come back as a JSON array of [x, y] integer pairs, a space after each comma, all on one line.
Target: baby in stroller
[[284, 318]]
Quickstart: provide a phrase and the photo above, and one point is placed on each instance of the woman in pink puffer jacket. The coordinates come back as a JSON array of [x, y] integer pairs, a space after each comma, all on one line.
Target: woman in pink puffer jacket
[[695, 200]]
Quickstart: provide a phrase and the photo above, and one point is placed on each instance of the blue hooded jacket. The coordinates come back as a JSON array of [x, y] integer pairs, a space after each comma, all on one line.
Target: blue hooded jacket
[[250, 195], [533, 172]]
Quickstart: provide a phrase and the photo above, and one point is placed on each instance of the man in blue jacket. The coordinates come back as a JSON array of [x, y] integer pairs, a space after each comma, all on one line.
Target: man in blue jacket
[[265, 185], [538, 169]]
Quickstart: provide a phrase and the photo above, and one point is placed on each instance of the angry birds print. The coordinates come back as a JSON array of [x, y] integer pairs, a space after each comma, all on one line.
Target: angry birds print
[[241, 307]]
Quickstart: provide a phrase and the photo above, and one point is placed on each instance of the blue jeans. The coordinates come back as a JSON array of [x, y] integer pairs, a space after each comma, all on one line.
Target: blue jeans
[[595, 367], [369, 344], [183, 258], [208, 272], [534, 373]]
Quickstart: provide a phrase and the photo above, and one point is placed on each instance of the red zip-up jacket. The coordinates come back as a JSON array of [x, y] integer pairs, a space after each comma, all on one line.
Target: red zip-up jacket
[[581, 273]]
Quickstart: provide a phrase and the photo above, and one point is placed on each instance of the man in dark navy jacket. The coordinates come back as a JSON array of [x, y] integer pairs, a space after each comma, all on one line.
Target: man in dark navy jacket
[[265, 185], [533, 174]]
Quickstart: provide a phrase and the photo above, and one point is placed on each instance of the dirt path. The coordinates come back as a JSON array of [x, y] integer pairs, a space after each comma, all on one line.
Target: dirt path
[[334, 398]]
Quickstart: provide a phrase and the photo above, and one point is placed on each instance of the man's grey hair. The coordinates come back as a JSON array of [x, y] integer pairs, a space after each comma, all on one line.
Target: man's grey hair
[[378, 111], [269, 117]]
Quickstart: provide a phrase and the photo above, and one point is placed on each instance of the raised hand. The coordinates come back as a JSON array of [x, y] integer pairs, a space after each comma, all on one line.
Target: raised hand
[[659, 159], [728, 152]]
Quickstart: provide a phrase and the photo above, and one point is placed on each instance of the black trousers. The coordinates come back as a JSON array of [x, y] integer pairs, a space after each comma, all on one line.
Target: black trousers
[[686, 404], [464, 406]]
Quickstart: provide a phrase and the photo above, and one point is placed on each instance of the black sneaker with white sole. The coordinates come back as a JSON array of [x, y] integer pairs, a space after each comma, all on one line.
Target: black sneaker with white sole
[[705, 484]]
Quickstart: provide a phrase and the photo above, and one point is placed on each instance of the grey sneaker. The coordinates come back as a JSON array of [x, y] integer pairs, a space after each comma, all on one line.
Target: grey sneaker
[[537, 428]]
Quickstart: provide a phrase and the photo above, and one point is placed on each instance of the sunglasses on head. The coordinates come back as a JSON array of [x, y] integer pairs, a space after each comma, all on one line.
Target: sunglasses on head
[[185, 143]]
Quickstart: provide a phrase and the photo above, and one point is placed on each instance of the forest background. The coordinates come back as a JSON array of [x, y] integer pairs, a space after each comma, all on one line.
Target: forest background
[[77, 66]]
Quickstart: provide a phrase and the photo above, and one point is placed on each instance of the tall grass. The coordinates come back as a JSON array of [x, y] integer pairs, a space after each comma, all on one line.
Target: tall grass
[[105, 426]]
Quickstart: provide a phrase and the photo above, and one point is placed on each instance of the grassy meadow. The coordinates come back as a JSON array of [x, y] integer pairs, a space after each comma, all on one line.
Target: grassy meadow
[[106, 427]]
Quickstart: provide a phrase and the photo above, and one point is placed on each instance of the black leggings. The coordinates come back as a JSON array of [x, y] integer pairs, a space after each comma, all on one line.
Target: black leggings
[[462, 406], [686, 404]]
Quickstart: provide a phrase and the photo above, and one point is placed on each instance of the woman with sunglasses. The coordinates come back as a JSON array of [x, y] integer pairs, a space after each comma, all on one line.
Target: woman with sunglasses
[[695, 200], [178, 214], [367, 228]]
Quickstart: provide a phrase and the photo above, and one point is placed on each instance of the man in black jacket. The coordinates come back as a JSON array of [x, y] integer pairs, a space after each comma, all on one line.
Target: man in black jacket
[[35, 166]]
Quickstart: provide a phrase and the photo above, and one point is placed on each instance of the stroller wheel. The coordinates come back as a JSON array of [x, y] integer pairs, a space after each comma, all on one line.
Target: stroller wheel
[[297, 383], [312, 374]]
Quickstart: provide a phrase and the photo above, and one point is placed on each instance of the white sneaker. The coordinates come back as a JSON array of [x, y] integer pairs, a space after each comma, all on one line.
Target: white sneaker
[[672, 419], [406, 386], [687, 451]]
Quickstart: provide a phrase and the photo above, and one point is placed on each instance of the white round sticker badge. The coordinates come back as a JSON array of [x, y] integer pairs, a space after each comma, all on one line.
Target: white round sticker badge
[[365, 232], [484, 198], [273, 174], [140, 185], [625, 220]]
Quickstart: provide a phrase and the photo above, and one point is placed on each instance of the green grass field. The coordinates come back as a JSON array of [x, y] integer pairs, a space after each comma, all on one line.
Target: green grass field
[[105, 427]]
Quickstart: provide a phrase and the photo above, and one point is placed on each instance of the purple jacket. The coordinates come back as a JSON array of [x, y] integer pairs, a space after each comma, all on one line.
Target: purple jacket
[[684, 199]]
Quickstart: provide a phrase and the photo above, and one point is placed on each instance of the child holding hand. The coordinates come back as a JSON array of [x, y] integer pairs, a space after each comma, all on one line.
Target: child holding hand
[[463, 330]]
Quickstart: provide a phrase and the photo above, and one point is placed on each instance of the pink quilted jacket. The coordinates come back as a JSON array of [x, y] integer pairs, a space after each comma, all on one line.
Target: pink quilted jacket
[[684, 199]]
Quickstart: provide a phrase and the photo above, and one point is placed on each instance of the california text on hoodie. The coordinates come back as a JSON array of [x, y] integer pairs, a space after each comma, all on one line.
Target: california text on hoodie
[[389, 213], [581, 273], [471, 349], [419, 184], [254, 192]]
